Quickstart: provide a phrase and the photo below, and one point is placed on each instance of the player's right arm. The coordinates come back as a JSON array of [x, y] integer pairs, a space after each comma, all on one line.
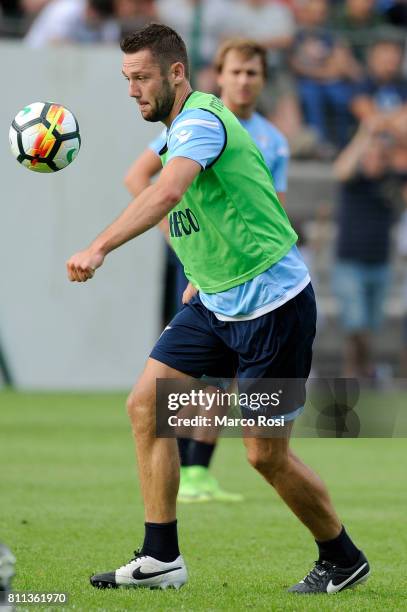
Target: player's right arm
[[189, 152], [139, 178], [142, 214]]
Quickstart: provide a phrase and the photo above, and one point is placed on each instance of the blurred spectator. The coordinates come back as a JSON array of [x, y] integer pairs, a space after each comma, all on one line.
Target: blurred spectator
[[269, 22], [18, 15], [77, 21], [10, 8], [272, 24], [357, 21], [33, 7], [201, 24], [11, 23], [399, 165], [402, 250], [395, 11], [324, 67], [383, 93], [134, 14], [367, 207]]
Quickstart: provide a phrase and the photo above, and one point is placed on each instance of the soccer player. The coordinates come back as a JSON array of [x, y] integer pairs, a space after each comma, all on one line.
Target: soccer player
[[241, 65], [234, 239]]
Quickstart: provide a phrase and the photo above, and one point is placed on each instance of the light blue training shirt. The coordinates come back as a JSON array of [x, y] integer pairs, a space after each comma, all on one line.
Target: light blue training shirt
[[199, 135]]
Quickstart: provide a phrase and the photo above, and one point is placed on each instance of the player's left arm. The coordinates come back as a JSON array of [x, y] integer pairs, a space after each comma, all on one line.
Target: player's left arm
[[140, 175], [142, 171], [141, 215]]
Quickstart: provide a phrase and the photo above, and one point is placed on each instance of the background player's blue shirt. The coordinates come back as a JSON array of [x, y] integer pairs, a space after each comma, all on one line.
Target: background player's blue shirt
[[273, 145], [199, 135]]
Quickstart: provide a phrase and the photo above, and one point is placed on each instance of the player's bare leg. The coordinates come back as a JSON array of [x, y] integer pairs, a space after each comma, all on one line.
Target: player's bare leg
[[159, 563], [340, 564], [158, 460], [301, 489]]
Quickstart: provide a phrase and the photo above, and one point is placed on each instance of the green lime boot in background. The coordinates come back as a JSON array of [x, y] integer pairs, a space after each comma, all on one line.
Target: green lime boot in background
[[197, 484]]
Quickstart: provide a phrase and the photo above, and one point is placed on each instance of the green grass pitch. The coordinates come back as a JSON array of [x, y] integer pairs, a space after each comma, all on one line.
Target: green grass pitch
[[70, 506]]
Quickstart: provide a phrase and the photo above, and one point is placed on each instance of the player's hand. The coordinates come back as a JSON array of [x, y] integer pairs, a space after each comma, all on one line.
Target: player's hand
[[189, 293], [81, 266], [374, 124]]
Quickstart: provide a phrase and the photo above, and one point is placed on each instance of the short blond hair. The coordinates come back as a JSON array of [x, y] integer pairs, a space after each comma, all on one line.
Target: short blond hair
[[246, 46]]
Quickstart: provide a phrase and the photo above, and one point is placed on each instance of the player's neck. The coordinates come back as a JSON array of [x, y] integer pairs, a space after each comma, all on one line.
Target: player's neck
[[241, 112], [180, 97]]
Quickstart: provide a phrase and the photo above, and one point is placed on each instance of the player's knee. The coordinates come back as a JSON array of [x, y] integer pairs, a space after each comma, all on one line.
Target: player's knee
[[139, 410], [267, 460]]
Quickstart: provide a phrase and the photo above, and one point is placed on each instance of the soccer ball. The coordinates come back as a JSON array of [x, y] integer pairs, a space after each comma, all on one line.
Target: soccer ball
[[44, 137]]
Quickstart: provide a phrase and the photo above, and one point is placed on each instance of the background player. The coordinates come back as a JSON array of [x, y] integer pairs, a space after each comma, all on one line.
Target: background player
[[241, 65], [256, 310]]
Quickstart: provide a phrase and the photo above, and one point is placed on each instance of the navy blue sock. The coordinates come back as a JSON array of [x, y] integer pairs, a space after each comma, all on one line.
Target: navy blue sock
[[201, 453], [340, 551], [184, 449], [161, 541]]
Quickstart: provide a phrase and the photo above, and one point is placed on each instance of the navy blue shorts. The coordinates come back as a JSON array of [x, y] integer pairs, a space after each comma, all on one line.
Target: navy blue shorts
[[276, 345]]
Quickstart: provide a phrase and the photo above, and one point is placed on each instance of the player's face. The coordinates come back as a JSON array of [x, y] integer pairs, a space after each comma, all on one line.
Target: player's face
[[151, 89], [241, 79]]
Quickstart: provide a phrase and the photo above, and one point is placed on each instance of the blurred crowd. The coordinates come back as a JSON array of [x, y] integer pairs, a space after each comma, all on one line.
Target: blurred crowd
[[337, 88], [330, 64]]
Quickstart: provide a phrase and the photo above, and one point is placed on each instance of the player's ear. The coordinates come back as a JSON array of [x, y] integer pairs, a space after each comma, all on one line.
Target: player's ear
[[177, 71], [219, 79]]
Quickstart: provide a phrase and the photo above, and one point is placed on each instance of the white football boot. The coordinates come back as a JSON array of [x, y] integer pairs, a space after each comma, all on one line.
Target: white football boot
[[144, 571]]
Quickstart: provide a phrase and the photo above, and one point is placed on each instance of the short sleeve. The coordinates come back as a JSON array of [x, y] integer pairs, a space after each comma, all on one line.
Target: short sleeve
[[279, 167], [196, 134], [159, 142]]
